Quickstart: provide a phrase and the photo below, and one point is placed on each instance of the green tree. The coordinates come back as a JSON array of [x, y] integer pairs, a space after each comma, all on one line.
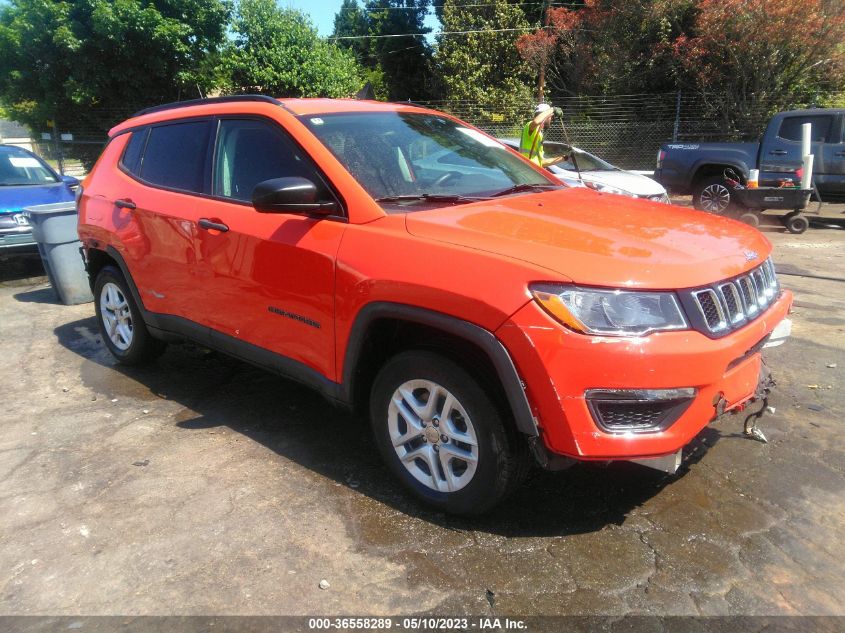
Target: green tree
[[399, 48], [483, 67], [89, 63], [351, 22], [278, 51]]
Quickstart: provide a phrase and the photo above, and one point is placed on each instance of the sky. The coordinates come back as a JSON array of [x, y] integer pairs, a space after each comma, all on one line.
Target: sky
[[322, 13]]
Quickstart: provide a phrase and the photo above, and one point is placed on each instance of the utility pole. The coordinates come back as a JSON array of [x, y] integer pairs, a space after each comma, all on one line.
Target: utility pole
[[541, 80], [677, 127]]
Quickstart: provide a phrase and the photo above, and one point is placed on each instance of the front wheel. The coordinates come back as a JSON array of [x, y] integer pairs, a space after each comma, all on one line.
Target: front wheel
[[121, 324], [442, 436]]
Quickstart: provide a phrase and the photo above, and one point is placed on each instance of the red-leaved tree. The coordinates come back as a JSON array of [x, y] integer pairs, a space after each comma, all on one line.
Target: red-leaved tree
[[752, 55]]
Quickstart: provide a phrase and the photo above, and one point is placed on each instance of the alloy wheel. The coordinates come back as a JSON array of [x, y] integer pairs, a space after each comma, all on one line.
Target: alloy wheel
[[433, 435], [116, 315], [715, 198]]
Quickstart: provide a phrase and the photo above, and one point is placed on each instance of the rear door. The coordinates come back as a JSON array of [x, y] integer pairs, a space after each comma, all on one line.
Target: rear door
[[156, 215], [834, 162], [781, 151], [267, 278]]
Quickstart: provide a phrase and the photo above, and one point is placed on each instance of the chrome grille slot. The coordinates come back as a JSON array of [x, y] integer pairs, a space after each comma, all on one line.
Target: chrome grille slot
[[760, 284], [771, 277], [733, 303], [730, 304], [711, 309], [749, 295]]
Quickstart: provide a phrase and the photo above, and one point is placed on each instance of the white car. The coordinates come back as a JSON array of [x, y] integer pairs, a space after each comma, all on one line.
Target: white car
[[597, 174]]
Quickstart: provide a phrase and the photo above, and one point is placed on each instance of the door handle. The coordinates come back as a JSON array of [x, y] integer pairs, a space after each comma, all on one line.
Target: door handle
[[210, 225], [124, 203], [839, 153], [778, 152]]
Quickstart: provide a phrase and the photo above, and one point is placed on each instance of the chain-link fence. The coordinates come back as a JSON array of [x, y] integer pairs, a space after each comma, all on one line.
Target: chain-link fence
[[627, 130]]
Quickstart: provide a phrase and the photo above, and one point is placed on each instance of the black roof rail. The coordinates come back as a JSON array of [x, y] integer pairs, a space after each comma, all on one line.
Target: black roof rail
[[194, 102], [410, 103]]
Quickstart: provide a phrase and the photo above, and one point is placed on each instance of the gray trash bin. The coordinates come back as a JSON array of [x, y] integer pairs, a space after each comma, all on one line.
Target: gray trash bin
[[54, 228]]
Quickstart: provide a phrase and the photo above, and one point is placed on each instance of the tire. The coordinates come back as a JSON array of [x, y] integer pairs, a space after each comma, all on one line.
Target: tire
[[121, 325], [497, 458], [711, 194], [796, 224], [751, 219]]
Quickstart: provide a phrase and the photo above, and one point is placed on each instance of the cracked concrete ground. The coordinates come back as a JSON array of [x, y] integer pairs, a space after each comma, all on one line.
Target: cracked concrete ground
[[201, 485]]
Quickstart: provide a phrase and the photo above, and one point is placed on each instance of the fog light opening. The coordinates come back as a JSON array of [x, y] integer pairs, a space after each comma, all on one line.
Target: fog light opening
[[638, 410]]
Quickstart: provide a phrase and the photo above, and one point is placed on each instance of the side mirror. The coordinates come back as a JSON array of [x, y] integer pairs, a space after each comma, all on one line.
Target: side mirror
[[71, 182], [290, 195]]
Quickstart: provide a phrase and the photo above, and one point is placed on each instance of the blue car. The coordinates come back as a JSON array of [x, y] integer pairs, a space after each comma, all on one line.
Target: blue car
[[26, 180]]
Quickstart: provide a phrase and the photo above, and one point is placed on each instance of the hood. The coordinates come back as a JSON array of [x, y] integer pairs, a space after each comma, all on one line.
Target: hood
[[14, 199], [626, 180], [600, 239]]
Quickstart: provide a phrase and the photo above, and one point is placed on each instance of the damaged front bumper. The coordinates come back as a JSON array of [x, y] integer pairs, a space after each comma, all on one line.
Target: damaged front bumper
[[570, 377]]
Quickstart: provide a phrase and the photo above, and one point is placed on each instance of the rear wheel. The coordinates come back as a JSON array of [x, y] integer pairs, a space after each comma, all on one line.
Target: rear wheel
[[712, 194], [121, 324], [442, 436]]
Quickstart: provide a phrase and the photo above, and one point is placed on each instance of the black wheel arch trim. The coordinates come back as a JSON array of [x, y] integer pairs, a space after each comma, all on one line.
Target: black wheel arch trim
[[482, 338], [112, 252], [709, 164]]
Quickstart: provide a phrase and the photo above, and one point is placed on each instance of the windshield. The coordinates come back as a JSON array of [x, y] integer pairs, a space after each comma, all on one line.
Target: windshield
[[409, 158], [18, 167], [586, 161]]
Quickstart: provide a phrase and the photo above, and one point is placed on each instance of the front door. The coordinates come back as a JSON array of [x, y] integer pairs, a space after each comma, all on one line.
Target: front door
[[269, 277]]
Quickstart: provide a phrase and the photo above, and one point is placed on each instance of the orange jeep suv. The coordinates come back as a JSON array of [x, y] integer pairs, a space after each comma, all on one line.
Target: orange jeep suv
[[407, 265]]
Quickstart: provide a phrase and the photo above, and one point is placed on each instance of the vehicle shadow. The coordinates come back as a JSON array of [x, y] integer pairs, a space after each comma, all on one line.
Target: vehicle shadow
[[298, 425]]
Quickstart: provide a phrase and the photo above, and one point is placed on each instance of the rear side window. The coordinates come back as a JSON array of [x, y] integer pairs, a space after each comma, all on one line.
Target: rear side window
[[790, 128], [175, 155], [131, 160]]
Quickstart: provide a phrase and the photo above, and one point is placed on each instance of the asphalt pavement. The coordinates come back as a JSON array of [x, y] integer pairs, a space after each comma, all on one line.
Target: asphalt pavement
[[201, 485]]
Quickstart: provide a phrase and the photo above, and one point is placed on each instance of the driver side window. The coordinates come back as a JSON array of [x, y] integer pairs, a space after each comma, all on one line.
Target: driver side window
[[249, 151]]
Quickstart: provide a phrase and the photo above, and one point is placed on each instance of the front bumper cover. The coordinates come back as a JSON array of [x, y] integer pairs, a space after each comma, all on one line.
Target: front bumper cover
[[559, 366]]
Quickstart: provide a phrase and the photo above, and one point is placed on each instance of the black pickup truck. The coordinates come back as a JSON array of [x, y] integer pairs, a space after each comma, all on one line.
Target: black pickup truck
[[698, 168]]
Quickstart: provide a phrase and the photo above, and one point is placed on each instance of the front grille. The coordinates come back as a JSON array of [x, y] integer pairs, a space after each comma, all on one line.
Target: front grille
[[730, 304]]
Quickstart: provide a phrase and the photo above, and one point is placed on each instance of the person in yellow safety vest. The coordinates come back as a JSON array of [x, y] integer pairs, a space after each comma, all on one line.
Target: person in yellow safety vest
[[531, 141]]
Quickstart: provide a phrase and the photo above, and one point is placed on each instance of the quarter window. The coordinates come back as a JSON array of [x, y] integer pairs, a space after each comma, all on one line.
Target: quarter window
[[790, 128], [249, 152], [131, 160], [175, 155]]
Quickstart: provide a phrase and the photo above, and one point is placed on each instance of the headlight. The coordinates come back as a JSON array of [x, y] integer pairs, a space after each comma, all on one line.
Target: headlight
[[600, 186], [611, 312]]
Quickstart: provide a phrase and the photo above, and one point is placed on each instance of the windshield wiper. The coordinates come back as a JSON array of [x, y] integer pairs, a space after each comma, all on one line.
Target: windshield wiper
[[525, 187], [430, 197]]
